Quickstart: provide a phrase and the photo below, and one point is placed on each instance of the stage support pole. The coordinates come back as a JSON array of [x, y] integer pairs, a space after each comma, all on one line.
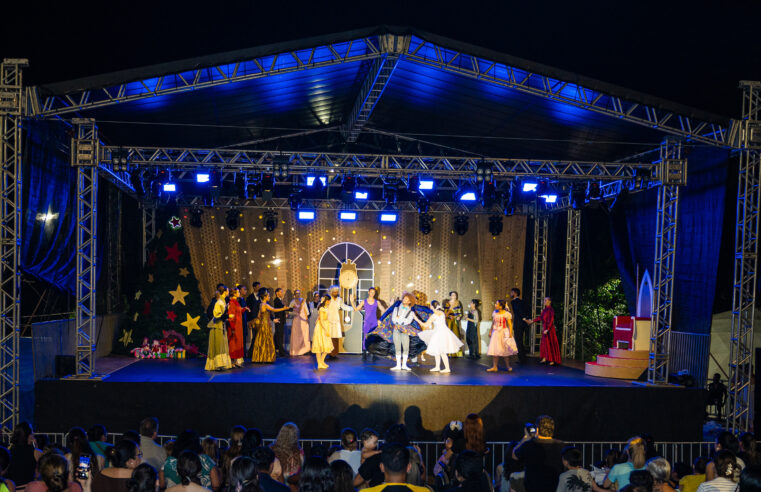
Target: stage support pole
[[12, 111], [85, 157], [571, 290], [746, 260], [149, 229], [541, 230], [672, 172]]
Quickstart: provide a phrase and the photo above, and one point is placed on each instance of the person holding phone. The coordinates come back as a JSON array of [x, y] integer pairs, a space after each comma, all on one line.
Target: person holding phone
[[54, 470], [541, 453]]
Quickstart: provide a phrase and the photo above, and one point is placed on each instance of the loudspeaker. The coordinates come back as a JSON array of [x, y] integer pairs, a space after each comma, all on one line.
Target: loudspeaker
[[64, 365]]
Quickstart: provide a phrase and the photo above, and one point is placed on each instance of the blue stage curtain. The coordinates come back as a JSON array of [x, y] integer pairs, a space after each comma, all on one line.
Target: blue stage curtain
[[701, 212], [49, 187]]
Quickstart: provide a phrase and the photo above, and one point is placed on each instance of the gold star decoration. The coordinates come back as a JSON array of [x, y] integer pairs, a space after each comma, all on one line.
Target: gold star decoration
[[178, 295], [150, 277], [184, 272], [191, 323], [137, 295], [126, 338]]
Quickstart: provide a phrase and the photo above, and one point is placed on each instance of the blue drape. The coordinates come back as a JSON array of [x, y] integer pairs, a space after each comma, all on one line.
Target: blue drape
[[48, 187], [701, 212]]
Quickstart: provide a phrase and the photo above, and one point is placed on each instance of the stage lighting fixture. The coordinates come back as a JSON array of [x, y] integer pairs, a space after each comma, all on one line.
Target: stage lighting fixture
[[461, 225], [593, 190], [483, 172], [495, 225], [425, 223], [488, 194], [310, 180], [294, 199], [208, 199], [426, 184], [202, 177], [195, 217], [466, 193], [269, 220], [280, 166], [388, 217], [348, 183], [529, 186], [120, 160], [423, 205], [215, 178], [267, 186], [413, 184], [170, 187], [347, 216], [390, 191], [361, 195], [578, 196], [232, 219], [136, 179], [642, 178], [241, 185], [306, 215]]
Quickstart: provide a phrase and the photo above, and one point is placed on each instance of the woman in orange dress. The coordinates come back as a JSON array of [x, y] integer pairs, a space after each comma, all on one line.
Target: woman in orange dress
[[235, 328]]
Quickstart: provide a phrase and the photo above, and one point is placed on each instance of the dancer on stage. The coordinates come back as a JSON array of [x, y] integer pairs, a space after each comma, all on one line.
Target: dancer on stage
[[440, 340], [334, 319], [217, 355], [322, 344], [253, 302], [235, 327], [454, 315], [472, 333], [314, 313], [402, 319], [520, 311], [502, 343], [549, 348], [299, 325], [380, 341], [279, 318], [263, 348], [370, 322]]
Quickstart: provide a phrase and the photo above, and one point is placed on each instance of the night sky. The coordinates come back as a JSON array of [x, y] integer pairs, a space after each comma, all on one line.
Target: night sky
[[683, 51]]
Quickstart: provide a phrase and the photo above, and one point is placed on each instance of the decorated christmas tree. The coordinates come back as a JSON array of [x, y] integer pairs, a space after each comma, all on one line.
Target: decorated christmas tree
[[166, 316]]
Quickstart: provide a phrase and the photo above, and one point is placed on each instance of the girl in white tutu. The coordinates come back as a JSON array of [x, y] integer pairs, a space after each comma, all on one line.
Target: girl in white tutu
[[440, 340], [502, 343]]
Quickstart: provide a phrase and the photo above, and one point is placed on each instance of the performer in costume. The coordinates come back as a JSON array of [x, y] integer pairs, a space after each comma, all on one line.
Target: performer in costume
[[370, 322], [380, 342], [253, 303], [549, 348], [263, 348], [520, 312], [314, 313], [440, 341], [218, 356], [279, 318], [299, 325], [322, 344], [334, 318], [246, 311], [403, 318], [454, 315], [235, 328], [472, 333], [502, 343]]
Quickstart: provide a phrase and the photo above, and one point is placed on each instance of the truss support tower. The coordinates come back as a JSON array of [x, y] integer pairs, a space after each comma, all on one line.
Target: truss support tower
[[149, 230], [541, 231], [571, 290], [746, 260]]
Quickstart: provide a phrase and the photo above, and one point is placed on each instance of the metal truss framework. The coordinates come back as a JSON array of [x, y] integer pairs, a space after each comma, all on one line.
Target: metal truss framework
[[672, 172], [12, 110], [541, 233], [149, 229], [746, 260], [571, 290], [84, 158]]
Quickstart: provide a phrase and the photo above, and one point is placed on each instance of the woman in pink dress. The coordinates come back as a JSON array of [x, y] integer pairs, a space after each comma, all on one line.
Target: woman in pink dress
[[502, 344], [300, 325]]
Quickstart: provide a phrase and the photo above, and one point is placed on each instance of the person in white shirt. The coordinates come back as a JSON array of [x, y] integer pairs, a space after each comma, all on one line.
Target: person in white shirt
[[726, 474]]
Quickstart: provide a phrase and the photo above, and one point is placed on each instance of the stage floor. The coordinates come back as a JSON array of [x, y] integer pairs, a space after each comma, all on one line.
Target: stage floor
[[351, 369]]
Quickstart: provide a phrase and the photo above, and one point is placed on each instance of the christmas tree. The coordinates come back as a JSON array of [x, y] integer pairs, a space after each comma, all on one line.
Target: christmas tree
[[166, 310]]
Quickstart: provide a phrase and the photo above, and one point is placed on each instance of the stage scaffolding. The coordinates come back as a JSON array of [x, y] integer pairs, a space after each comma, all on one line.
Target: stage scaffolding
[[571, 286]]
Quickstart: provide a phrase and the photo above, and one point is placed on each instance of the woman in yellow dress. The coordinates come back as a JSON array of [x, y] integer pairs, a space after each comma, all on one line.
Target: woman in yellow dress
[[322, 344], [218, 355], [264, 343]]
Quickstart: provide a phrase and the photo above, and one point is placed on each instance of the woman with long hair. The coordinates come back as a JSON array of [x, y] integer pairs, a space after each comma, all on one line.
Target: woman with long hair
[[473, 428], [78, 446], [322, 343], [502, 343], [210, 476], [218, 353], [54, 475], [549, 349], [725, 441], [235, 327], [748, 451], [726, 472], [618, 477], [189, 470], [24, 455], [454, 315], [234, 449], [343, 476], [263, 350], [145, 478], [123, 458], [300, 325], [317, 476], [370, 322], [244, 475], [288, 453]]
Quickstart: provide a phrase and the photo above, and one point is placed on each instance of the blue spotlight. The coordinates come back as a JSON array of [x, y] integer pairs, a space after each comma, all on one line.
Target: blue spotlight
[[549, 198], [361, 195], [310, 180], [388, 217], [348, 216], [468, 196], [529, 187], [425, 184], [306, 215], [170, 187], [202, 178]]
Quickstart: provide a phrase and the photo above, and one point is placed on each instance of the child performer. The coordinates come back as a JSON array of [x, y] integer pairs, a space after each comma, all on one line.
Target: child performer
[[549, 349], [322, 344], [502, 343], [471, 335], [440, 340]]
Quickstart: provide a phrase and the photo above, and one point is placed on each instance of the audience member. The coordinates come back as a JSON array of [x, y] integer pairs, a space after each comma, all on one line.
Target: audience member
[[725, 441], [510, 473], [188, 440], [252, 439], [264, 459], [690, 483], [189, 471], [316, 476], [639, 481], [725, 469], [678, 472], [473, 428], [343, 476], [369, 440], [416, 475], [618, 477], [153, 454], [43, 442], [575, 478], [145, 478], [233, 449], [96, 436], [243, 476], [349, 451], [210, 447], [123, 458], [54, 475], [469, 473], [748, 452], [395, 464], [288, 453], [750, 479], [454, 443], [5, 459], [370, 472], [78, 446], [132, 435], [660, 469], [24, 455], [601, 469], [541, 456]]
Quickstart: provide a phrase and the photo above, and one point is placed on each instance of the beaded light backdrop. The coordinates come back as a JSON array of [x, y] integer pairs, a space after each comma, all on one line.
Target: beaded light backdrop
[[475, 264]]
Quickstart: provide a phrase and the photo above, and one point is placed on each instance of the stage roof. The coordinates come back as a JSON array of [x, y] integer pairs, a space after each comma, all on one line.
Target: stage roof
[[443, 97]]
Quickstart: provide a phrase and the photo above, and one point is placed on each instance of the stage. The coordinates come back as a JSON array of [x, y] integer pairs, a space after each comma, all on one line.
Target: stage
[[367, 394]]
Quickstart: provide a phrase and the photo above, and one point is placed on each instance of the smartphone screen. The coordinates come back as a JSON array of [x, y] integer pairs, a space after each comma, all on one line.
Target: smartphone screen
[[83, 469]]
